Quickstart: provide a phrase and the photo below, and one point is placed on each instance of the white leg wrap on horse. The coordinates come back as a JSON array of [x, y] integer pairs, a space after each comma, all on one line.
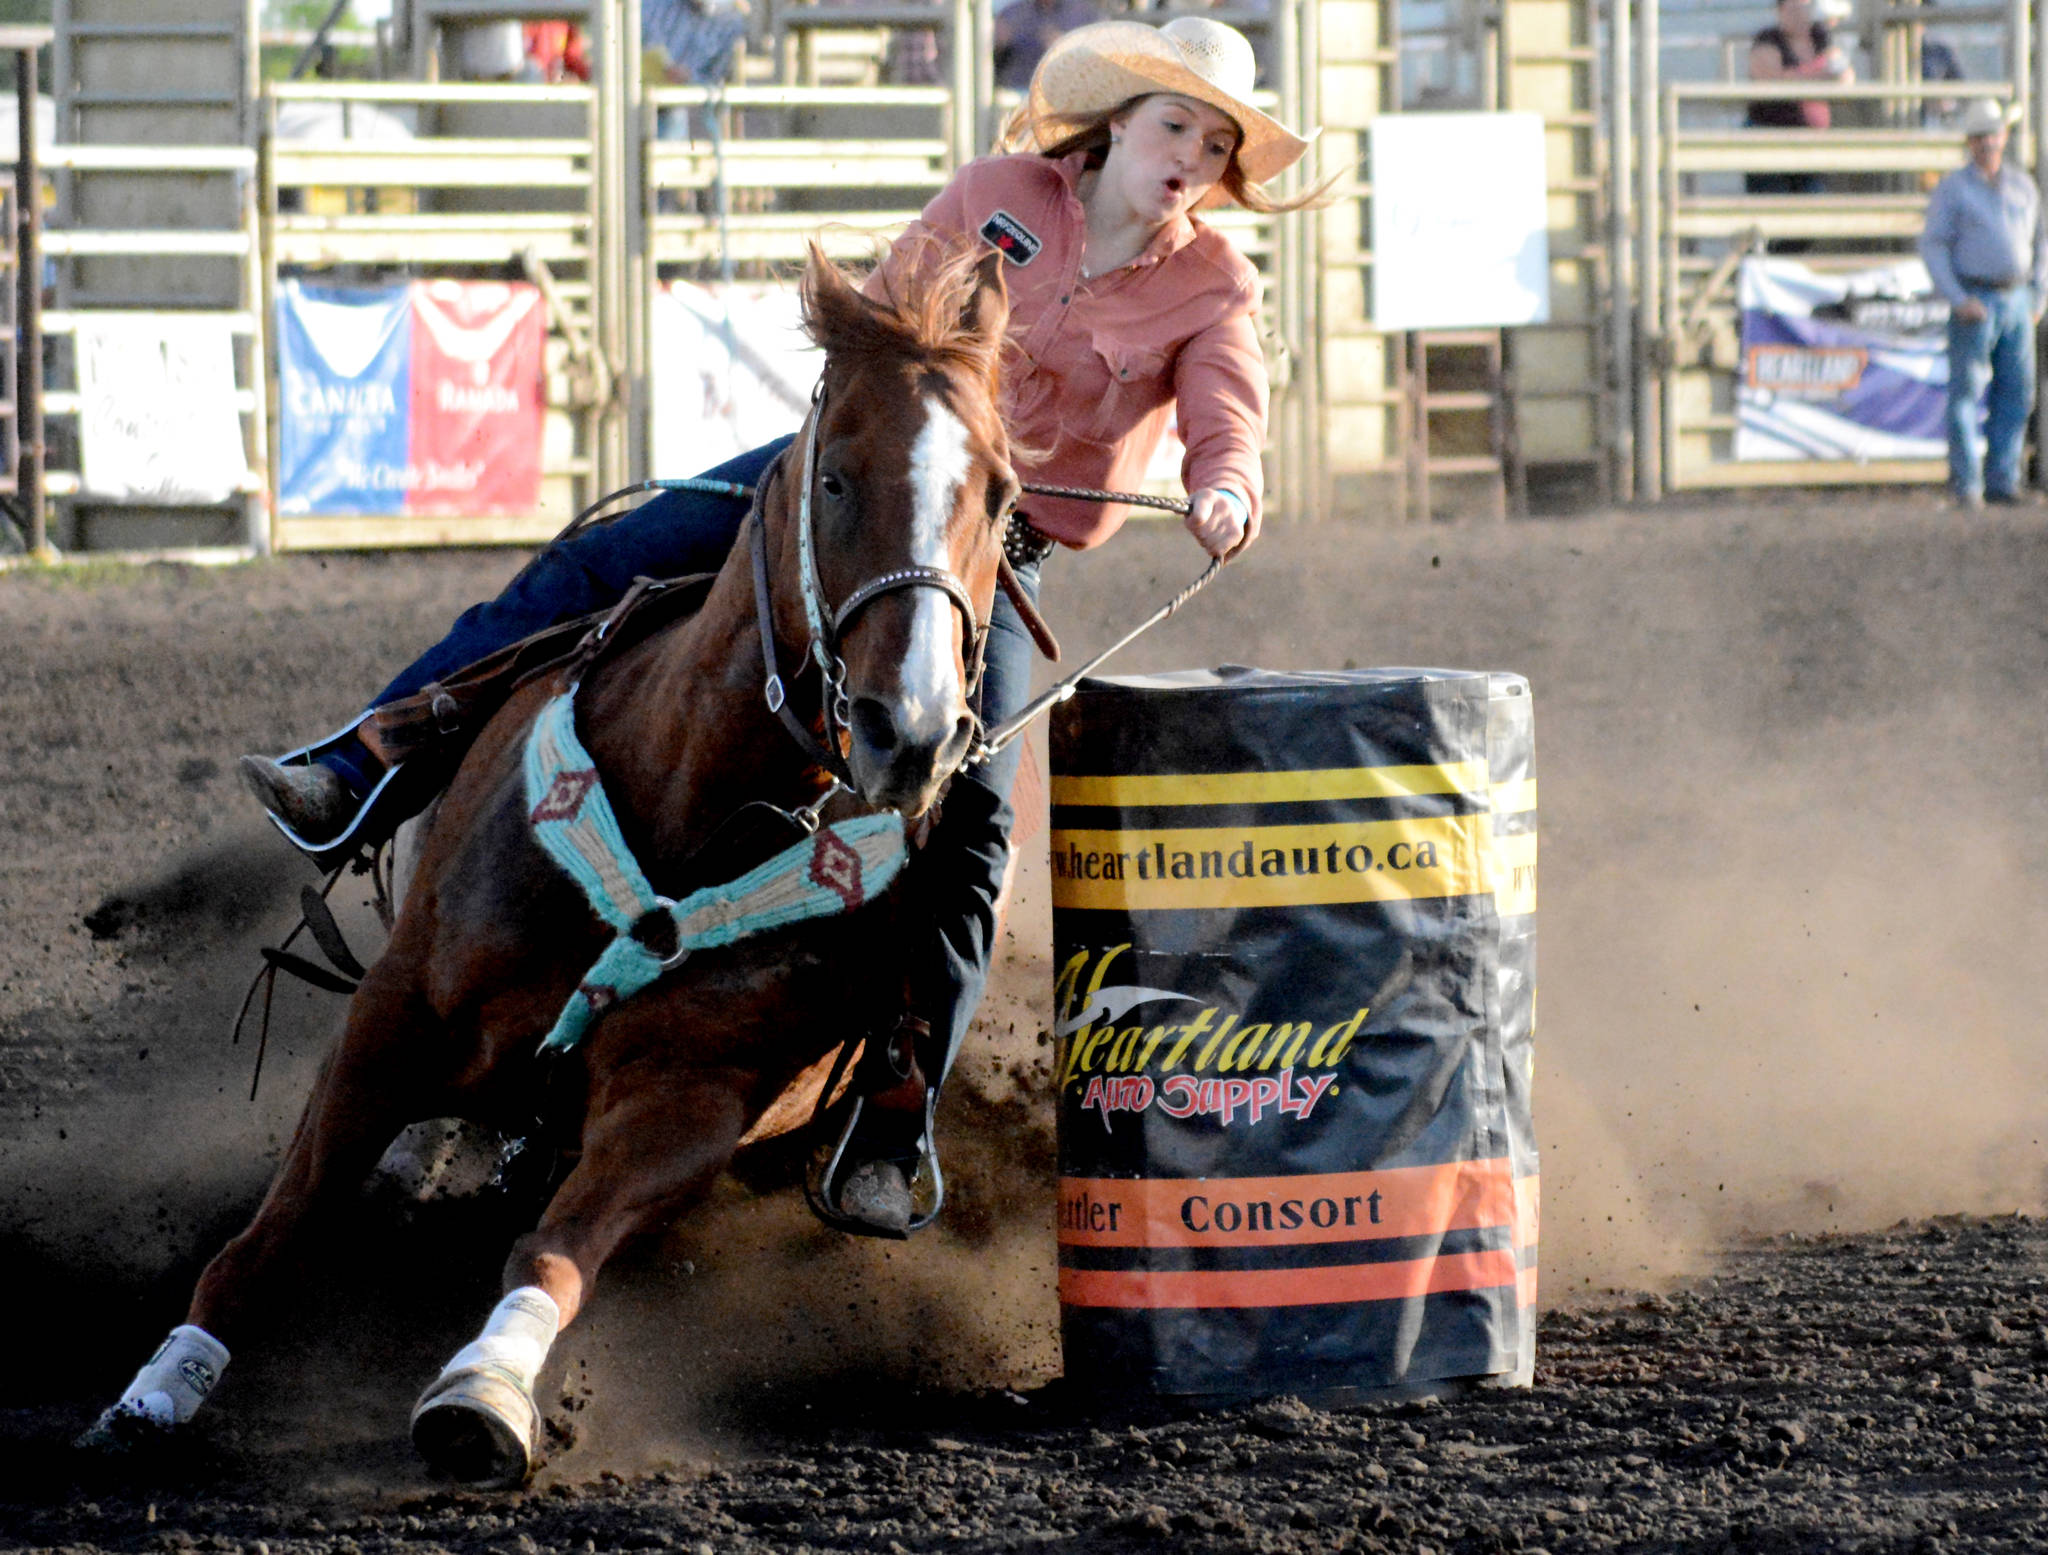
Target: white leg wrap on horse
[[516, 1338], [185, 1368]]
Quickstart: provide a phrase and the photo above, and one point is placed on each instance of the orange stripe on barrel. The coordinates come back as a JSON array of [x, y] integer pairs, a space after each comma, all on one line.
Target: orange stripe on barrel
[[1286, 1211], [1398, 1281]]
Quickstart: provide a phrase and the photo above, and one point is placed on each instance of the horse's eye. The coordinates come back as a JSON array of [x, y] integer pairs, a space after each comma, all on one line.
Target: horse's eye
[[1002, 497], [834, 486]]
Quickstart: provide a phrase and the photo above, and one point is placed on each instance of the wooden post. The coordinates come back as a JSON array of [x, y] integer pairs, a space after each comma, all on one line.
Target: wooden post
[[1621, 264], [2036, 109], [28, 408], [1649, 256]]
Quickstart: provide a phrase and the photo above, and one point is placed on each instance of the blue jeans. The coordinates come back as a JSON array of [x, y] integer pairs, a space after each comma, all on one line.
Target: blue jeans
[[956, 878], [1996, 353], [678, 533]]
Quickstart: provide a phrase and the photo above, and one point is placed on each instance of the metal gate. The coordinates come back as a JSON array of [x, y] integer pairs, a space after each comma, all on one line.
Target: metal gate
[[1695, 222]]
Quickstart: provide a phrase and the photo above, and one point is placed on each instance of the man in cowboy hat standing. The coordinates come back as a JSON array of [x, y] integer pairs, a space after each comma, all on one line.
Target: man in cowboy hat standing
[[1988, 254]]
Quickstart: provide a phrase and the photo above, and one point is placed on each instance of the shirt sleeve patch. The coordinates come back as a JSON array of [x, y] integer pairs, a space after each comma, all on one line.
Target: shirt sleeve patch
[[1017, 242]]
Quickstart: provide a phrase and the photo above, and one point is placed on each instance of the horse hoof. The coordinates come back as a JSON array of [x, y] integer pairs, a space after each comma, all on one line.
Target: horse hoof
[[877, 1196], [126, 1428], [478, 1427]]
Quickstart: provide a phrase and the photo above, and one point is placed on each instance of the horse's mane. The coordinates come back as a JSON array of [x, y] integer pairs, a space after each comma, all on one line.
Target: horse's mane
[[926, 312]]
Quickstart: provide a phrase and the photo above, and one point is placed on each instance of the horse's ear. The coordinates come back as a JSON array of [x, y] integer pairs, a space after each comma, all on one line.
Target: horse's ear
[[827, 293], [986, 311]]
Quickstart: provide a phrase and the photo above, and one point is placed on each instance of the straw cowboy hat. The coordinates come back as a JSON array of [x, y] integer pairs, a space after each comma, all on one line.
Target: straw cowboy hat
[[1105, 64], [1987, 116]]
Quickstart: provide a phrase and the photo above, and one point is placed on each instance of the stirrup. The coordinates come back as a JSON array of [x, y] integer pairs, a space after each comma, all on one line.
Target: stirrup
[[836, 1155], [396, 796]]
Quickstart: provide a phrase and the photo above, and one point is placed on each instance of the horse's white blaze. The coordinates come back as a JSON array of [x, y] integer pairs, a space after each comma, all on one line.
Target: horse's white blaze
[[939, 462], [931, 691]]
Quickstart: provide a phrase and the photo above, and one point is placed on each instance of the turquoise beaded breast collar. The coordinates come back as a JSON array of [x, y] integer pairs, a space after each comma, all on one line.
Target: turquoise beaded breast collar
[[835, 869]]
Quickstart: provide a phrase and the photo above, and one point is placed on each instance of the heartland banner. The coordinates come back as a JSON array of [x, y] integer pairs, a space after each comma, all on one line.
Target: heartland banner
[[1848, 366], [1294, 920], [424, 398]]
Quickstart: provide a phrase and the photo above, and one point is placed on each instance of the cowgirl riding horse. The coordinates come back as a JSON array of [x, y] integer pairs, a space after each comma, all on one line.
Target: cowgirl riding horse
[[1126, 311]]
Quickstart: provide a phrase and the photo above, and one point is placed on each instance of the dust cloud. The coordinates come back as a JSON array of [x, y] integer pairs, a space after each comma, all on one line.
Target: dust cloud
[[1792, 836], [116, 1202], [750, 1316], [1814, 1017]]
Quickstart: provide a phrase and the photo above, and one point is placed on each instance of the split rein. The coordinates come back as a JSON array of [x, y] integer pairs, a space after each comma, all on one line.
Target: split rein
[[994, 739]]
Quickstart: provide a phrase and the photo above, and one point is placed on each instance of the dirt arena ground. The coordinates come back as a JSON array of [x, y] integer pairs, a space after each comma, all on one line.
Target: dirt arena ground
[[1791, 1096]]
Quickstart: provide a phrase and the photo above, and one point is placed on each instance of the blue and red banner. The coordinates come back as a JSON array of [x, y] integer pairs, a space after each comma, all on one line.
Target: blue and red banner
[[423, 398], [1841, 366]]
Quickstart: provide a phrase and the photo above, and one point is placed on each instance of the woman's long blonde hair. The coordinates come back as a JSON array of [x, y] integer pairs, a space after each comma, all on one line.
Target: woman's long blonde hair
[[1092, 135]]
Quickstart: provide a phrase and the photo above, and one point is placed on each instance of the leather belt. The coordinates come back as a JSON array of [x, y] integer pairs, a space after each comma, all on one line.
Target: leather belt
[[2006, 284], [1023, 544]]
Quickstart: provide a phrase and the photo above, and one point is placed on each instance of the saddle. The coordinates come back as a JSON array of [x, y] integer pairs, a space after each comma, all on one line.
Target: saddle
[[424, 736], [463, 702]]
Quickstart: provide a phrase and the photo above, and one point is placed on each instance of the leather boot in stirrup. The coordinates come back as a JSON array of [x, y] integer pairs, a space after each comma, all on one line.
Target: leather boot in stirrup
[[311, 799], [875, 1168]]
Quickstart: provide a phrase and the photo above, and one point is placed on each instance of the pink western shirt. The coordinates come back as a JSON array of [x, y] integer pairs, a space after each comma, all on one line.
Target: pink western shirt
[[1096, 367]]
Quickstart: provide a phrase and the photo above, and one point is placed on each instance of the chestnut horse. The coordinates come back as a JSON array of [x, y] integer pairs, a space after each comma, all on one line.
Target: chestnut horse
[[901, 481]]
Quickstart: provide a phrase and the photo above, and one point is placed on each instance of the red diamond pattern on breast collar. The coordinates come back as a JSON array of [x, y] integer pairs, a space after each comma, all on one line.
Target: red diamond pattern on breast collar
[[836, 867], [565, 795]]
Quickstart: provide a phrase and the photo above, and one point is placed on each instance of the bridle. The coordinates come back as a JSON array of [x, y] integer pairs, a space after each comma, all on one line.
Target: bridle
[[826, 624]]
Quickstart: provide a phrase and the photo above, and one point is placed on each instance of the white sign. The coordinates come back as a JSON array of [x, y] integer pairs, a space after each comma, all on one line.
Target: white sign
[[1460, 234], [157, 417], [732, 369]]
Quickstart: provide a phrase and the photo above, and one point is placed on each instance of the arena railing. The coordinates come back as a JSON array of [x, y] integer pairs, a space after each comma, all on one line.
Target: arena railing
[[767, 169], [764, 169], [491, 181], [62, 399], [494, 179], [1880, 162]]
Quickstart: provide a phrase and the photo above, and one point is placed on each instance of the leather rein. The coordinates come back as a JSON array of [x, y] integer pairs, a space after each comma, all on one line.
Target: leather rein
[[826, 625]]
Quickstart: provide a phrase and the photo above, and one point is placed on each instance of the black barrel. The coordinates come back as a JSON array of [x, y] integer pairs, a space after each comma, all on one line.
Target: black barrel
[[1295, 939]]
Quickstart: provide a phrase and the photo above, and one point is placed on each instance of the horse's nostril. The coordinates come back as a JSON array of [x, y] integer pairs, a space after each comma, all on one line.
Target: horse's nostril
[[874, 725]]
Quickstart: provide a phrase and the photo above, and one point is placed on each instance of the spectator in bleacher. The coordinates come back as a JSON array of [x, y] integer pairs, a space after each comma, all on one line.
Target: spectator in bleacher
[[1025, 29], [1797, 48], [557, 52], [1987, 251], [688, 43], [483, 51], [696, 38], [1938, 62], [913, 58], [1127, 310]]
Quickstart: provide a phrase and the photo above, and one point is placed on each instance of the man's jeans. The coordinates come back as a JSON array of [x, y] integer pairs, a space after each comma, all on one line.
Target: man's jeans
[[1996, 351]]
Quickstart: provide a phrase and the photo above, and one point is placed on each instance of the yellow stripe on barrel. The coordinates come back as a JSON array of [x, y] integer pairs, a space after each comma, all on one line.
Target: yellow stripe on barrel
[[1129, 791], [1143, 869]]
